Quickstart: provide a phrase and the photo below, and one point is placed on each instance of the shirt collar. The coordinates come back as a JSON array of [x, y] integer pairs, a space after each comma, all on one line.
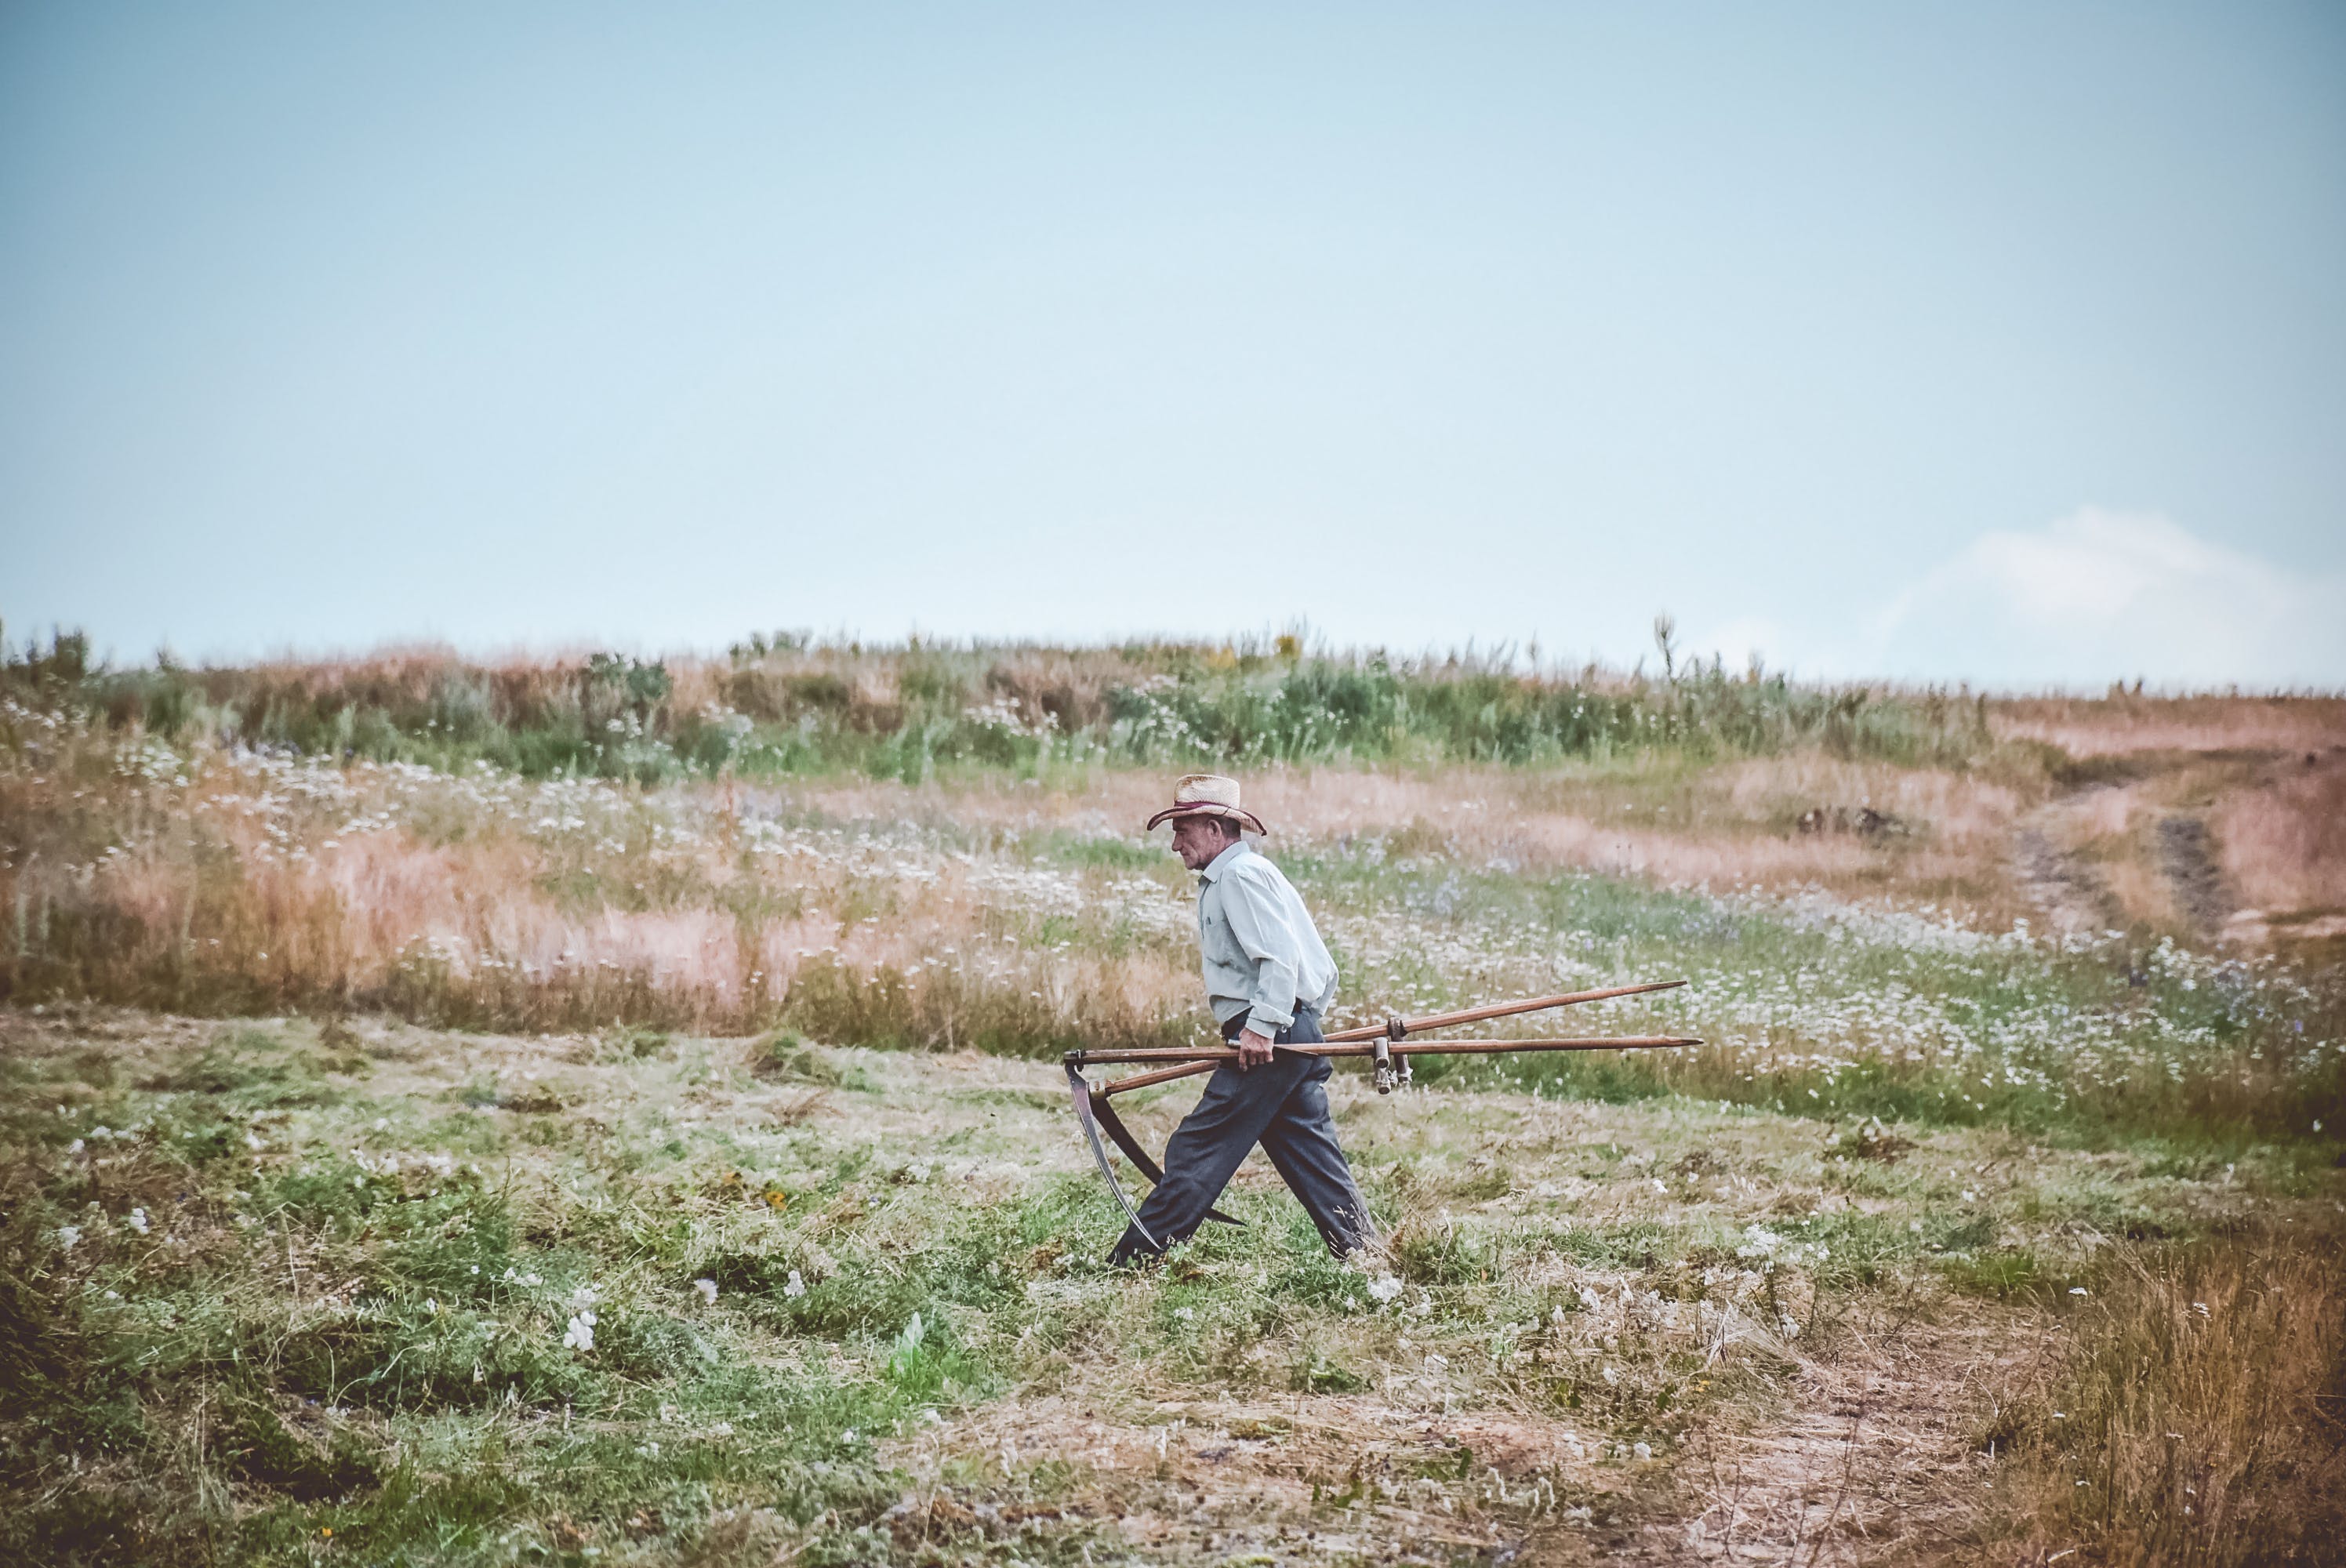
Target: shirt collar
[[1221, 862]]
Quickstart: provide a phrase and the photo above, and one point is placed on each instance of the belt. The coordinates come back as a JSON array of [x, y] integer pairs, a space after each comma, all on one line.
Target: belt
[[1237, 1025]]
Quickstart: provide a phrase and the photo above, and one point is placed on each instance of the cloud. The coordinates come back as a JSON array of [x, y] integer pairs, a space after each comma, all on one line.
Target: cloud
[[2094, 597], [2104, 595]]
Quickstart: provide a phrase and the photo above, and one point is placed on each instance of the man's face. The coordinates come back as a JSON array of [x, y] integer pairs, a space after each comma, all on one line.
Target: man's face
[[1197, 840]]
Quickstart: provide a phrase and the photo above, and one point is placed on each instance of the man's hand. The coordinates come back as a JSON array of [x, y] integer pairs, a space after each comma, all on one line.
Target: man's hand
[[1254, 1049]]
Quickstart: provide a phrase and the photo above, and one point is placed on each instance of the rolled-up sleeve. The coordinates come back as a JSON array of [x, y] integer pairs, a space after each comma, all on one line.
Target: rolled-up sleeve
[[1260, 923]]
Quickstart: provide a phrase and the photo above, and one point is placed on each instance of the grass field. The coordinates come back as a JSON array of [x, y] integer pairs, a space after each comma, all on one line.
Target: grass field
[[423, 1152]]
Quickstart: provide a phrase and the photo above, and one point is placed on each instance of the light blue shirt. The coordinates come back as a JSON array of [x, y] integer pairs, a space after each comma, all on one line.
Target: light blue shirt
[[1257, 945]]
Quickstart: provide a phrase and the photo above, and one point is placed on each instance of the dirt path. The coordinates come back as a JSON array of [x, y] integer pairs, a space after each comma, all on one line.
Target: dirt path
[[1299, 1478], [2186, 859], [2062, 884], [2075, 895], [1871, 1460], [1874, 1459]]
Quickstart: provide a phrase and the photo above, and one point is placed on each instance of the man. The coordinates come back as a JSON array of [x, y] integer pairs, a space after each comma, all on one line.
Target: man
[[1269, 979]]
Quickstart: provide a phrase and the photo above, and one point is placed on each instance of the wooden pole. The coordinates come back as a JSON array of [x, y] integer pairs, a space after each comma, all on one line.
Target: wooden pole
[[1214, 1055], [1190, 1061], [1501, 1010], [1209, 1058]]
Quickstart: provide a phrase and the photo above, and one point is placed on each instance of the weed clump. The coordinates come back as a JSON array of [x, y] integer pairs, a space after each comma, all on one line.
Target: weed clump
[[785, 1056], [2195, 1412]]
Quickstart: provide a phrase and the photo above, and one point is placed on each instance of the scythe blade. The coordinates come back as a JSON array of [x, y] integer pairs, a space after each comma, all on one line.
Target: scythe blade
[[1080, 1090], [1113, 1125]]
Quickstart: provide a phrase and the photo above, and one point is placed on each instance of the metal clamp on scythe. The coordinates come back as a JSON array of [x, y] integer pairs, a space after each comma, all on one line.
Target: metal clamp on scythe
[[1388, 1046], [1382, 1054]]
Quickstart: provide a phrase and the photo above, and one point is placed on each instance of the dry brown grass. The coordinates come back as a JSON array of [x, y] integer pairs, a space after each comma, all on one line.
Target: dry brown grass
[[243, 891], [238, 894], [964, 909], [2121, 725], [1734, 825], [2194, 1411], [2284, 844]]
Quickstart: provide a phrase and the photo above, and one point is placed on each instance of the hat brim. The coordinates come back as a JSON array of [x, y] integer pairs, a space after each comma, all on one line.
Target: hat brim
[[1208, 809]]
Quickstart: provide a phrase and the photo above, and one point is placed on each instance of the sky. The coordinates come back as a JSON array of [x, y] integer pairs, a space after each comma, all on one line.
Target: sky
[[1998, 343]]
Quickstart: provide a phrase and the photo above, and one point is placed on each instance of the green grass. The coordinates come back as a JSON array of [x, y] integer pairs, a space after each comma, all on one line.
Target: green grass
[[425, 1343], [363, 1246], [316, 1274], [788, 707]]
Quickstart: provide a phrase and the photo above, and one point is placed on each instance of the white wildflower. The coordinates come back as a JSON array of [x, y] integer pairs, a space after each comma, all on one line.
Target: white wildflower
[[1643, 1451], [1385, 1288], [1611, 1376], [1183, 1313], [707, 1289], [794, 1285], [68, 1234], [580, 1334], [136, 1220]]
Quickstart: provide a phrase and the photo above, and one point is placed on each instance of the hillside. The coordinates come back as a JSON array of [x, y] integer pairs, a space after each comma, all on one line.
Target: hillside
[[508, 1137]]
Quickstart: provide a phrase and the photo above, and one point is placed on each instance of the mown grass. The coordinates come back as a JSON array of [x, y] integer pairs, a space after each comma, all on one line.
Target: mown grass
[[236, 1332], [311, 1281]]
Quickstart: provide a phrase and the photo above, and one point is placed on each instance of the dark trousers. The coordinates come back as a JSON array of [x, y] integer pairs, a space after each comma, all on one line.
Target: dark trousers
[[1283, 1106]]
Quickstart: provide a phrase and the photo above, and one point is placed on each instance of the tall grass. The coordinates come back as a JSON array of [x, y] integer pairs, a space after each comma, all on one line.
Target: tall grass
[[790, 704], [2196, 1411], [216, 881]]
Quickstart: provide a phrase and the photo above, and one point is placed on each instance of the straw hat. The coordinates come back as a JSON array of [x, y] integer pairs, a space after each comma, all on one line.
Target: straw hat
[[1208, 795]]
